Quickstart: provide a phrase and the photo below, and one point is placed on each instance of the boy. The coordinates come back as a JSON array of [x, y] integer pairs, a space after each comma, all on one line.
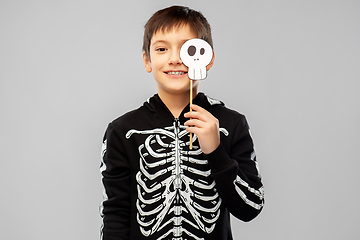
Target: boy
[[155, 186]]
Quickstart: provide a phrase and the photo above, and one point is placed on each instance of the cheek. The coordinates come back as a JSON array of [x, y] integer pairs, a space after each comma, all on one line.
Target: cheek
[[158, 62]]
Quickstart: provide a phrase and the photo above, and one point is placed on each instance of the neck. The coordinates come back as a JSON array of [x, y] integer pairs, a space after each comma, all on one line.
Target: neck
[[176, 102]]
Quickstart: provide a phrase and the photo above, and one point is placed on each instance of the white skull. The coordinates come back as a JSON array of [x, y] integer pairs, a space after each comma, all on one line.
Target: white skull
[[196, 54]]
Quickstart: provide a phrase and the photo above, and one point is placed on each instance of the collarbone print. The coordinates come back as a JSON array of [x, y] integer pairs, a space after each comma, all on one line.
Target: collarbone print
[[177, 196]]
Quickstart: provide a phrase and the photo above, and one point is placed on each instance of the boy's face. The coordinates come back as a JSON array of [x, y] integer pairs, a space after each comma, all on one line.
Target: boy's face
[[165, 63]]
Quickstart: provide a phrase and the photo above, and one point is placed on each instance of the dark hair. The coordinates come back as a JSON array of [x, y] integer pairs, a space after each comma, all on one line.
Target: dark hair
[[176, 16]]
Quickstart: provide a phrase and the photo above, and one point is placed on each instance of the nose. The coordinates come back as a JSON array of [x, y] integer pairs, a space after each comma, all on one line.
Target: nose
[[175, 58]]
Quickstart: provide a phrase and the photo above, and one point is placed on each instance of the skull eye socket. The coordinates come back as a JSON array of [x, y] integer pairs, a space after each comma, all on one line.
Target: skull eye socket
[[192, 50], [202, 51]]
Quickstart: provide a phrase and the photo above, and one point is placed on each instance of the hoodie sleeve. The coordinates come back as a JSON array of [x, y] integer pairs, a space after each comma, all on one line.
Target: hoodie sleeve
[[236, 174], [115, 171]]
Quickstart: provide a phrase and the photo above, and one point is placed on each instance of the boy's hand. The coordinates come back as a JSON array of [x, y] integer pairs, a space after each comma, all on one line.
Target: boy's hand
[[205, 126]]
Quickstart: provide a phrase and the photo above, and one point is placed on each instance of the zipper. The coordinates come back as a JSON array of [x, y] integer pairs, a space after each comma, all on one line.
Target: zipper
[[177, 181]]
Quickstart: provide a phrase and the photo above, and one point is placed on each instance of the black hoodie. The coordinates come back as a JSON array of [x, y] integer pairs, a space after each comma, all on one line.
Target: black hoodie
[[155, 187]]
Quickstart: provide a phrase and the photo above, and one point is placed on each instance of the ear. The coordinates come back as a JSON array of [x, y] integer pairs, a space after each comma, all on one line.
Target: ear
[[211, 63], [147, 63]]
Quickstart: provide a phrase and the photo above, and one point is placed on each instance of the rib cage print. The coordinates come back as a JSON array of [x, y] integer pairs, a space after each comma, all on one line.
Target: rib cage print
[[177, 197]]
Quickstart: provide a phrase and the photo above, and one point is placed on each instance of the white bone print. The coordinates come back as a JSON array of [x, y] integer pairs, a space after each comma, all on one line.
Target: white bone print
[[176, 194]]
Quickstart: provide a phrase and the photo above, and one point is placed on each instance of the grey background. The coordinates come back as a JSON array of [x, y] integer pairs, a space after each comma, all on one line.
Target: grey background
[[67, 68]]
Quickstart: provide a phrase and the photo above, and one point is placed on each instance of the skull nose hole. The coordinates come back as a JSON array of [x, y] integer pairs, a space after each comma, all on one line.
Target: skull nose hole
[[192, 50]]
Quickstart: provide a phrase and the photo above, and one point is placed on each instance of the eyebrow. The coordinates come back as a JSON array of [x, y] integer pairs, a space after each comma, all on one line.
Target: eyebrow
[[163, 41], [159, 41]]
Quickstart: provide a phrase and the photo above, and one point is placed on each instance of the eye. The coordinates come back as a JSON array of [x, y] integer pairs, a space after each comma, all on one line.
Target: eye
[[202, 51], [161, 49], [192, 50]]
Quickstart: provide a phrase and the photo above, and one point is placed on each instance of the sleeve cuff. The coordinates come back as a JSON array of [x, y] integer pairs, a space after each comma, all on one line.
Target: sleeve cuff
[[219, 159]]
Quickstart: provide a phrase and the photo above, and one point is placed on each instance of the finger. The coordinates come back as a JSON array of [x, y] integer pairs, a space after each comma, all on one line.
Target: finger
[[196, 115], [195, 122], [194, 130], [202, 115], [197, 108]]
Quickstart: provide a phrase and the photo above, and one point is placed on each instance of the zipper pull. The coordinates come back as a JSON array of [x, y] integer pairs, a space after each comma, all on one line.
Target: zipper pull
[[177, 122]]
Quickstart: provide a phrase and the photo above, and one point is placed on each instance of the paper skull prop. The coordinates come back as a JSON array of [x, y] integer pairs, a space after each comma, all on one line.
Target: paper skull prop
[[196, 54]]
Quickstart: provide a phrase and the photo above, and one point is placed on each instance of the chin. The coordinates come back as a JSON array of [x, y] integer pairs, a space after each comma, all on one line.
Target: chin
[[176, 90], [180, 91]]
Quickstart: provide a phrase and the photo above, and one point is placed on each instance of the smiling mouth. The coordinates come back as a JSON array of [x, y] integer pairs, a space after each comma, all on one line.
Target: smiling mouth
[[176, 73]]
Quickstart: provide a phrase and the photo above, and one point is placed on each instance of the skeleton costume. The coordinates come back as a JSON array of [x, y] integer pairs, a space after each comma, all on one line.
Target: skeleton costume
[[155, 187]]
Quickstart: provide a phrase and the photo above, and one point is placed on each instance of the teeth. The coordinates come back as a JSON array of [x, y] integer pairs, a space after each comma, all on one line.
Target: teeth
[[175, 73]]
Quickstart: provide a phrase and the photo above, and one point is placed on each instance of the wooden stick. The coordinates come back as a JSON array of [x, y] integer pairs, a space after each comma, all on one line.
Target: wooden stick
[[191, 99]]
